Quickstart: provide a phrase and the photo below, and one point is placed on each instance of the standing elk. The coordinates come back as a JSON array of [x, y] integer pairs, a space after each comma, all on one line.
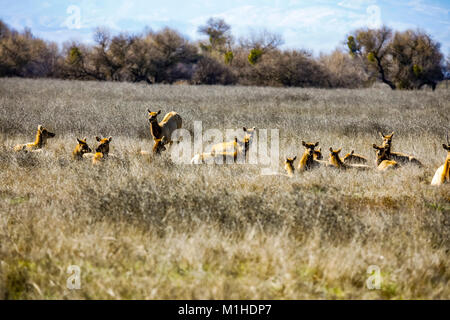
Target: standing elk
[[442, 174], [171, 122]]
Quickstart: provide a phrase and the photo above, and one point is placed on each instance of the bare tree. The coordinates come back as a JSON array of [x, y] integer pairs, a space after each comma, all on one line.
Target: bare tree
[[373, 46], [103, 57], [163, 56], [263, 40], [79, 62]]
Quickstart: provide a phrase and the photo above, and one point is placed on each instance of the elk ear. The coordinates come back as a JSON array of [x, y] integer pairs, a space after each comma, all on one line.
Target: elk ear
[[339, 150], [320, 149], [148, 110], [245, 129], [294, 158], [331, 149], [392, 134], [85, 139], [109, 139], [304, 143], [317, 143], [159, 111], [381, 134], [353, 151], [98, 139], [40, 127], [79, 141], [446, 147], [374, 146]]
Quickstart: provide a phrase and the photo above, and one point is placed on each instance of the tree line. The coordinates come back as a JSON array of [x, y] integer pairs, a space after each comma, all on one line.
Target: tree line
[[402, 60]]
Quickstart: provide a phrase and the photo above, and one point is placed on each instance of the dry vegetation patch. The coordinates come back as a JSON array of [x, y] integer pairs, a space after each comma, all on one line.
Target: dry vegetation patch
[[148, 228]]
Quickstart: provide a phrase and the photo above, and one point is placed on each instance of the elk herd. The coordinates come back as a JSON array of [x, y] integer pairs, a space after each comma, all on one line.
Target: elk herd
[[386, 159], [312, 158]]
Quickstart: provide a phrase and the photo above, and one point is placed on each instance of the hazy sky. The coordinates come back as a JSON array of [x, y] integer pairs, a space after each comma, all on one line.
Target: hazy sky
[[317, 25]]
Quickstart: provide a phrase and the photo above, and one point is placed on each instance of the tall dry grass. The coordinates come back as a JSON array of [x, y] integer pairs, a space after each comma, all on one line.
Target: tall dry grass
[[152, 229]]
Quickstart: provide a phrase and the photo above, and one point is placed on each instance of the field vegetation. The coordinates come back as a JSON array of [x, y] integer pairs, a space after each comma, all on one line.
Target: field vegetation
[[143, 227]]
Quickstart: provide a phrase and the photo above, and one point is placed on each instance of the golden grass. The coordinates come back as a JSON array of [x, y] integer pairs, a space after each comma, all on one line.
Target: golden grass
[[149, 228]]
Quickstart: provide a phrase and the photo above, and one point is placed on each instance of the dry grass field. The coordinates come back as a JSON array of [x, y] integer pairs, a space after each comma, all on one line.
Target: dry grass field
[[153, 229]]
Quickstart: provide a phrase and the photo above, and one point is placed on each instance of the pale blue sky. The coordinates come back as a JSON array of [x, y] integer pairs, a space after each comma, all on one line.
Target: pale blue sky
[[317, 25]]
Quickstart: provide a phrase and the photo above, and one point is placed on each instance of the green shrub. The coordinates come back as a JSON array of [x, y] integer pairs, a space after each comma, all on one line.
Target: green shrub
[[254, 56], [351, 43], [229, 57], [75, 55], [371, 57], [417, 70]]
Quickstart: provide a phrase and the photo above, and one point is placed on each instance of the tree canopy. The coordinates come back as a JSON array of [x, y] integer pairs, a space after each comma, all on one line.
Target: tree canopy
[[402, 60]]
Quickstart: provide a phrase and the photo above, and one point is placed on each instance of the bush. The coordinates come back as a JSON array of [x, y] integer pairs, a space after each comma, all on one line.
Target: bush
[[283, 68], [254, 56], [229, 57], [211, 71], [344, 70]]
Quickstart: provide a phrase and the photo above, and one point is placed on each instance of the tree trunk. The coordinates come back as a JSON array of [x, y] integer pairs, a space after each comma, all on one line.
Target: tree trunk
[[432, 84], [383, 76]]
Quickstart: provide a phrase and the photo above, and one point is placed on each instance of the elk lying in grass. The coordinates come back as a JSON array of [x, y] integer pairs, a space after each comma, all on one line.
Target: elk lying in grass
[[318, 154], [336, 161], [171, 122], [307, 161], [222, 156], [202, 158], [208, 157], [289, 166], [81, 149], [387, 138], [158, 146], [102, 150], [236, 145], [352, 158], [442, 174], [318, 158], [41, 140], [399, 157], [383, 161]]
